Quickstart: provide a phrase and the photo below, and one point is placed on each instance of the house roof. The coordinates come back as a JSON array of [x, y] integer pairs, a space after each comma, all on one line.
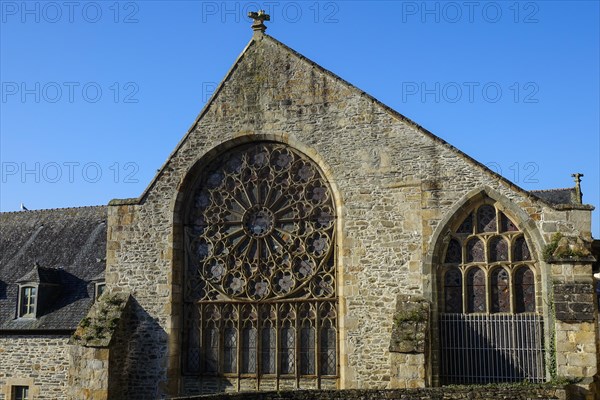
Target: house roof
[[60, 250], [557, 196]]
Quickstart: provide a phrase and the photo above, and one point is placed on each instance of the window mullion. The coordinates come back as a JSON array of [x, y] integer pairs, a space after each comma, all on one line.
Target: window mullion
[[277, 359], [318, 343], [240, 343], [297, 343]]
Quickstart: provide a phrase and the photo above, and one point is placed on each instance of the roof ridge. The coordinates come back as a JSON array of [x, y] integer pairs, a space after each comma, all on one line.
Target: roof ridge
[[53, 209], [552, 190]]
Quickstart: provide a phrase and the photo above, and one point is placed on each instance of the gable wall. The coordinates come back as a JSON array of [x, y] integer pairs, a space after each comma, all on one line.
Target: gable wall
[[393, 185]]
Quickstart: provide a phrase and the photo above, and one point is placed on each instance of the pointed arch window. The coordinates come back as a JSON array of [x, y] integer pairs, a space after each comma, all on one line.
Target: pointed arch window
[[487, 302], [260, 245], [498, 251]]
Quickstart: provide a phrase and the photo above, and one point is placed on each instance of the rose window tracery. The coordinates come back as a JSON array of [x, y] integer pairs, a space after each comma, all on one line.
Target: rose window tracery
[[262, 226]]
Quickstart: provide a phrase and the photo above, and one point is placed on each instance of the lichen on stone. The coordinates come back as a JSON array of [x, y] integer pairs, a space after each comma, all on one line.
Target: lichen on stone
[[565, 247], [98, 327]]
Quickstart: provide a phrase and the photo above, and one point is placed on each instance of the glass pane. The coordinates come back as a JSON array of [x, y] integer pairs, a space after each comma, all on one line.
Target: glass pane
[[466, 226], [475, 251], [500, 291], [230, 351], [454, 252], [21, 392], [486, 219], [100, 289], [521, 251], [193, 354], [307, 349], [267, 359], [453, 291], [328, 350], [476, 290], [28, 298], [211, 350], [288, 347], [507, 224], [524, 290], [249, 350], [498, 249]]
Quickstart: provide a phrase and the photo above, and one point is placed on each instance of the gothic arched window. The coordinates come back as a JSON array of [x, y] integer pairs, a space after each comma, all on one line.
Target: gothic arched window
[[487, 302], [260, 285], [492, 253]]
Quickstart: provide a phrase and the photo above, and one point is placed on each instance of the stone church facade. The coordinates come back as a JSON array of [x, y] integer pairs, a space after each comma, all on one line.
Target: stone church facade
[[304, 235]]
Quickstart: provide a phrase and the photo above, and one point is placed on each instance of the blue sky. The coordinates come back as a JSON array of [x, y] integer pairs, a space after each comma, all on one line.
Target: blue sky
[[95, 95]]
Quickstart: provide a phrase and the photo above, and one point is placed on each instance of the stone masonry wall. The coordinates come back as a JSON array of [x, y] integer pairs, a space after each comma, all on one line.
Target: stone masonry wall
[[38, 361], [394, 184], [576, 329]]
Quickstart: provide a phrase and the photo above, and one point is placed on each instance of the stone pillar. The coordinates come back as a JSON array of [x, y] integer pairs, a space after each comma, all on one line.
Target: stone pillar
[[575, 326], [409, 342], [96, 350]]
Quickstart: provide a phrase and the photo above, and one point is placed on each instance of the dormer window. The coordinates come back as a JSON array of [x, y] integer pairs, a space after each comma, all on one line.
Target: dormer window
[[38, 289], [28, 302], [100, 286]]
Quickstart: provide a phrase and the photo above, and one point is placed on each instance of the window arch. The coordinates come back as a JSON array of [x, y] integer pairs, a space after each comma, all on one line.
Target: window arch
[[497, 249], [260, 242]]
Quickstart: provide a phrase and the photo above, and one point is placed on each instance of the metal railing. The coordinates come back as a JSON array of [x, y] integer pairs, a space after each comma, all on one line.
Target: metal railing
[[491, 348]]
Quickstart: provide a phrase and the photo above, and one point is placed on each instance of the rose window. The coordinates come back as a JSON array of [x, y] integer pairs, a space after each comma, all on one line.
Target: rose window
[[261, 229], [262, 225]]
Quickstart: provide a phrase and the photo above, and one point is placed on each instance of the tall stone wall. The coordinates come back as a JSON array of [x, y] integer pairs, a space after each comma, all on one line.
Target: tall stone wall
[[394, 187], [38, 361]]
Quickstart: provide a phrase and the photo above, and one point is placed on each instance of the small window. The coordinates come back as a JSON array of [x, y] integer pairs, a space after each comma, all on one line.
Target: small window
[[100, 289], [28, 301], [20, 392]]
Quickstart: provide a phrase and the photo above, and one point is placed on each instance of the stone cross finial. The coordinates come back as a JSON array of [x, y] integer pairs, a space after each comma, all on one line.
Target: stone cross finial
[[578, 193], [259, 18]]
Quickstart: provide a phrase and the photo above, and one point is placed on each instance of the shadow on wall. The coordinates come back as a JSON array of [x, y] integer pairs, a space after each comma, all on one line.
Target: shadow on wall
[[138, 356]]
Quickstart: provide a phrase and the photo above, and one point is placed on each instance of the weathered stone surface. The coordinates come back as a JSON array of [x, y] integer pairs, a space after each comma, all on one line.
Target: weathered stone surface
[[574, 301]]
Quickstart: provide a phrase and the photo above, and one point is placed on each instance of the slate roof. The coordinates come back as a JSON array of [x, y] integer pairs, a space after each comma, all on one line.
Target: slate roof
[[63, 250], [557, 196]]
